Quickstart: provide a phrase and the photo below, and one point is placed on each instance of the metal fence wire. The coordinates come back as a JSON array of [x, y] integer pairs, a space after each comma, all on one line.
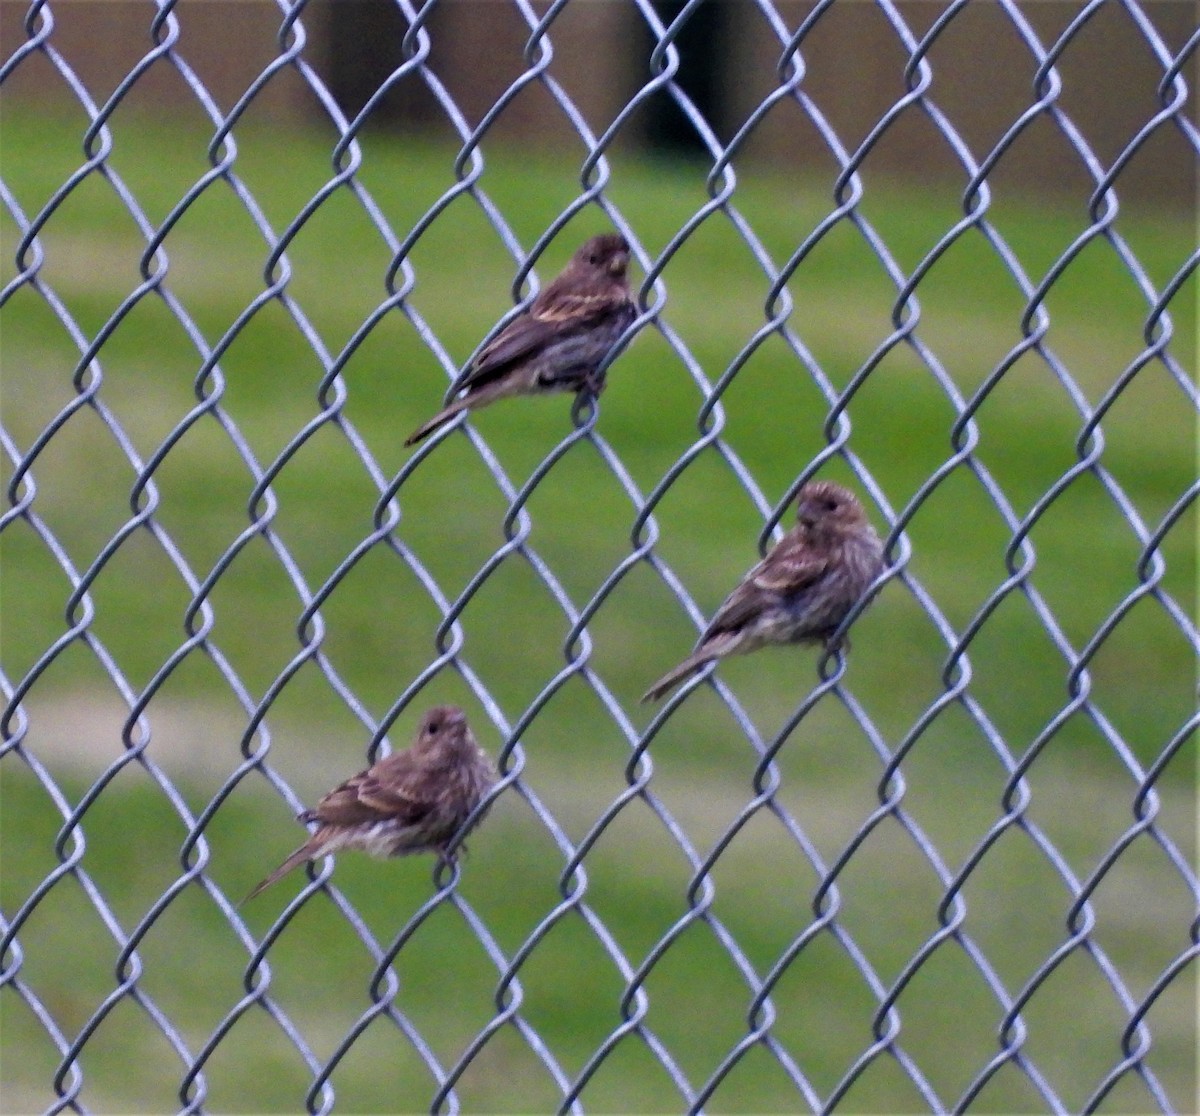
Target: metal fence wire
[[901, 897]]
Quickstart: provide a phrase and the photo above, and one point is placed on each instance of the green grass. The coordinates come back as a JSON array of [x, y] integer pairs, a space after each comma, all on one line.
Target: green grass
[[379, 631]]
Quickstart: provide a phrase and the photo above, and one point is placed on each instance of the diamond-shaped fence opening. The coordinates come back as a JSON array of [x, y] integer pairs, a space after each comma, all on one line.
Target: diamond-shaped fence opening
[[944, 254]]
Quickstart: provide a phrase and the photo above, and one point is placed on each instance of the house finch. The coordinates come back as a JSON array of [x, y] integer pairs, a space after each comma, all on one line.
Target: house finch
[[559, 342], [801, 591], [412, 801]]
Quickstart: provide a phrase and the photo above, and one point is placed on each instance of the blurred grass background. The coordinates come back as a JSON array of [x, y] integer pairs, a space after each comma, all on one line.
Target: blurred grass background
[[380, 624]]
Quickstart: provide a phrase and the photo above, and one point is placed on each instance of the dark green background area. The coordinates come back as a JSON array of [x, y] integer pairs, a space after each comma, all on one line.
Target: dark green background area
[[380, 624]]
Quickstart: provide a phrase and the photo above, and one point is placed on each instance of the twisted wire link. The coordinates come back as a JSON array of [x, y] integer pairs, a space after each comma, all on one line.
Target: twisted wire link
[[347, 158], [1103, 208], [222, 155], [906, 318], [827, 922], [1089, 460], [721, 185]]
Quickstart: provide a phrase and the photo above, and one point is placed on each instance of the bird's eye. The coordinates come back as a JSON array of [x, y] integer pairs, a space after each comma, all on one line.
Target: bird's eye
[[434, 727], [831, 504], [593, 259]]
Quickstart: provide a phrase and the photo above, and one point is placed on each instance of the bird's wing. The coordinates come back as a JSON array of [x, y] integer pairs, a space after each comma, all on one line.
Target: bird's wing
[[553, 313], [385, 791], [578, 306], [518, 339], [791, 566]]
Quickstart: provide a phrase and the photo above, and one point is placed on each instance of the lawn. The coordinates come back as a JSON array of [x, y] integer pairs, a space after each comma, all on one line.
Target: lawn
[[329, 448]]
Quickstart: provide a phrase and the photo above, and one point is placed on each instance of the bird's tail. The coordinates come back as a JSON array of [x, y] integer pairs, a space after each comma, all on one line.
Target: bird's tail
[[672, 678], [305, 852], [440, 419]]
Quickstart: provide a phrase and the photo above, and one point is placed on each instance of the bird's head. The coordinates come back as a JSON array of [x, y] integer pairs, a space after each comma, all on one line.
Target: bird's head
[[823, 505], [443, 726], [607, 253]]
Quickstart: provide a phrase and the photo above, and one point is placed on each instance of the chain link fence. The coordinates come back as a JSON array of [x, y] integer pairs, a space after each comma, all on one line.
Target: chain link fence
[[952, 868]]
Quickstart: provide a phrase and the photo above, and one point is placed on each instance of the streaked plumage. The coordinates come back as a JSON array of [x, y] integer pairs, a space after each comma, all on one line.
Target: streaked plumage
[[412, 801], [801, 591], [560, 341]]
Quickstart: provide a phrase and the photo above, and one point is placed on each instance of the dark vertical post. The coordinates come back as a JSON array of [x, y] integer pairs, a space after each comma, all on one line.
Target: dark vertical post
[[364, 40], [700, 75]]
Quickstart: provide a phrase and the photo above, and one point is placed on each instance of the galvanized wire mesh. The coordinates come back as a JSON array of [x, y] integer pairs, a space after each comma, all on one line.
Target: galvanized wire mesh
[[820, 918]]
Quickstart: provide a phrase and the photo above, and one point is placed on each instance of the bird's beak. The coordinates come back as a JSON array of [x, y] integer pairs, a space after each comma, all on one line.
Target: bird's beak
[[618, 264]]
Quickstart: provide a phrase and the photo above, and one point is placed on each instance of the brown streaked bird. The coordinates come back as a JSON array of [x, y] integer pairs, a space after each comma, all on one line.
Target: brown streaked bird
[[412, 801], [560, 341], [801, 591]]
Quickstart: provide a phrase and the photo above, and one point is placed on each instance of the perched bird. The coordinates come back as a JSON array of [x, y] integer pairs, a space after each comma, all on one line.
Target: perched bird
[[413, 801], [559, 342], [801, 591]]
